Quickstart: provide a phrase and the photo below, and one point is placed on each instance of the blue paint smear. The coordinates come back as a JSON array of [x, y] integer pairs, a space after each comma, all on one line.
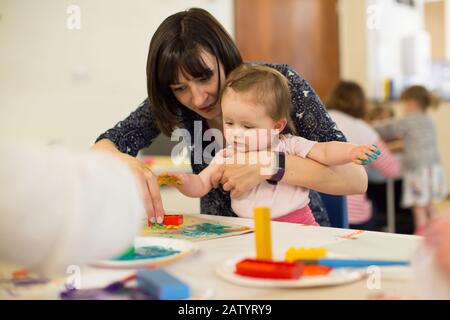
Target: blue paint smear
[[150, 252], [205, 229]]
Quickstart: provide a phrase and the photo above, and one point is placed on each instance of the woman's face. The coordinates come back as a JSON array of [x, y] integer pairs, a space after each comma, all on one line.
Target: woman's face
[[200, 94]]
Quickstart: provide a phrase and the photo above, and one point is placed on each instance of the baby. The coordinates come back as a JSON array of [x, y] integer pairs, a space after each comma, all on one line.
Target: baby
[[256, 107]]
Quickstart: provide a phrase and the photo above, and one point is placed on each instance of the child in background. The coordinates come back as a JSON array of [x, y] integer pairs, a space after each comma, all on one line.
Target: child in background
[[424, 179], [256, 107]]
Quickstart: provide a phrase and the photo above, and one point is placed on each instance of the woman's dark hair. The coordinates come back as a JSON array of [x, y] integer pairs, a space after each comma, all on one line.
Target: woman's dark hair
[[348, 97], [176, 47]]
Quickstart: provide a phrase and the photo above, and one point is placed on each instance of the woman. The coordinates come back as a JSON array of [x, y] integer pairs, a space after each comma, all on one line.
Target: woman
[[189, 57], [347, 105]]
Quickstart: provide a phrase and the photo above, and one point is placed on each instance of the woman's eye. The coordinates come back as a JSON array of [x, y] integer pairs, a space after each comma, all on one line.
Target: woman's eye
[[178, 89]]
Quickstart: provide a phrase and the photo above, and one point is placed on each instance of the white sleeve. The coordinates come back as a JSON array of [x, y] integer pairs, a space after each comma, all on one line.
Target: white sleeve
[[59, 209]]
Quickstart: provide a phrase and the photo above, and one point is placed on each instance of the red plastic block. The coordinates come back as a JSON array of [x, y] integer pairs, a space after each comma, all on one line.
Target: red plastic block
[[269, 269], [173, 220]]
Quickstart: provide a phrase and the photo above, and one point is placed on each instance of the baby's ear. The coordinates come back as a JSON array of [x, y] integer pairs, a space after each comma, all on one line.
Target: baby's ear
[[280, 125]]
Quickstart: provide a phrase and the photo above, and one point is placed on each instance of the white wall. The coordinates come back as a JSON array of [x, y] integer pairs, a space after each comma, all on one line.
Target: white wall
[[353, 53], [371, 33], [68, 86]]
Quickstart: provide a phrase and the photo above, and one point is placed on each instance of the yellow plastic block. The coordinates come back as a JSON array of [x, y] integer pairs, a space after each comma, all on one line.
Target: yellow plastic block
[[302, 253], [262, 233]]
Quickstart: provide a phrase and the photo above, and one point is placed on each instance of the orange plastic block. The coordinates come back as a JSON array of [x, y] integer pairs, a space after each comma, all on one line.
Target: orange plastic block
[[315, 270], [173, 220], [269, 269]]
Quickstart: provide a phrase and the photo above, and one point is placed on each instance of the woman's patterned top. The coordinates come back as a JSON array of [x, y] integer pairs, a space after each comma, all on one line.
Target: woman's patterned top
[[310, 117]]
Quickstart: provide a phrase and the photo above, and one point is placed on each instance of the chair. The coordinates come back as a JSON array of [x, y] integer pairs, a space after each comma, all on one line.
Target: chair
[[337, 210]]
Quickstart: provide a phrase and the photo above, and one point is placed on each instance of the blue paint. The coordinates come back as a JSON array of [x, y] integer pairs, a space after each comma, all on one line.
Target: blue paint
[[205, 229], [150, 252]]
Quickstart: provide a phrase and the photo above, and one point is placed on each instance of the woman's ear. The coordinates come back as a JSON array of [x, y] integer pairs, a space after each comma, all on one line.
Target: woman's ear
[[280, 125]]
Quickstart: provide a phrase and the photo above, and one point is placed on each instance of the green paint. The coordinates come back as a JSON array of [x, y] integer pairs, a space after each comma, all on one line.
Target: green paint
[[150, 252], [204, 229]]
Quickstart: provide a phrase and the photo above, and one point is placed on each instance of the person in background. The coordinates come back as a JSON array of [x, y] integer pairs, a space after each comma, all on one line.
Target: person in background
[[58, 208], [347, 107], [423, 175], [377, 190]]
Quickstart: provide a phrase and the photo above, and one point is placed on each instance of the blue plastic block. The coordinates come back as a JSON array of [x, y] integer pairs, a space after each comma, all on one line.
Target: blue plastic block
[[162, 285]]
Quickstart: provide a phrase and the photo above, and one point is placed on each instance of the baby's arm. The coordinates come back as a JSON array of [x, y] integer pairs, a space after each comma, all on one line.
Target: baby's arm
[[338, 153], [191, 185]]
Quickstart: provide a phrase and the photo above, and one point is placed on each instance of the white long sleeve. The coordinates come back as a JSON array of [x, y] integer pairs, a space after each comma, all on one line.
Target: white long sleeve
[[59, 209]]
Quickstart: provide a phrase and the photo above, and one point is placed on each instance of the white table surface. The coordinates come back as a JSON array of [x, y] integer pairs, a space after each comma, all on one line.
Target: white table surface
[[199, 269]]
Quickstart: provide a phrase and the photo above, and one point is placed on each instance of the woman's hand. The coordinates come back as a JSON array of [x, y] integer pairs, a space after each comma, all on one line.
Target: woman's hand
[[246, 170], [148, 183]]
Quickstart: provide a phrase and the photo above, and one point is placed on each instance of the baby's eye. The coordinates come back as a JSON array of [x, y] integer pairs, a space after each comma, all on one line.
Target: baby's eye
[[248, 127]]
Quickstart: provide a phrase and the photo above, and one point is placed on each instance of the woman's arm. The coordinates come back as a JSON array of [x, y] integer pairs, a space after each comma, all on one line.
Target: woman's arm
[[339, 180], [134, 133], [124, 141]]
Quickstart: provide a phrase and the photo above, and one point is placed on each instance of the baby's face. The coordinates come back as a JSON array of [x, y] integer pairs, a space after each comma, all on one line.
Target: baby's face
[[246, 125]]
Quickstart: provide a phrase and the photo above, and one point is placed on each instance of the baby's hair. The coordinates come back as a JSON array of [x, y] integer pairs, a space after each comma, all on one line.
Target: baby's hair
[[421, 95], [266, 86]]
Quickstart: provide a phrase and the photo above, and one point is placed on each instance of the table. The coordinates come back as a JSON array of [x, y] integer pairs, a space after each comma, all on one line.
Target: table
[[200, 269]]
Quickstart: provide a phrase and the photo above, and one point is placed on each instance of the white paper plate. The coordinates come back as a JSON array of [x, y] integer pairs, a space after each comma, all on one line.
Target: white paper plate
[[336, 277], [185, 247]]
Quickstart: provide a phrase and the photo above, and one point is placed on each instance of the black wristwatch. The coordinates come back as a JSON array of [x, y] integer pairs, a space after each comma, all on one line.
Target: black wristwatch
[[280, 168]]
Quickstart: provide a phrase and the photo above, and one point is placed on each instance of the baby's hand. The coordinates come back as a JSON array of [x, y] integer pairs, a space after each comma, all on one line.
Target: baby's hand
[[173, 179], [364, 154]]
